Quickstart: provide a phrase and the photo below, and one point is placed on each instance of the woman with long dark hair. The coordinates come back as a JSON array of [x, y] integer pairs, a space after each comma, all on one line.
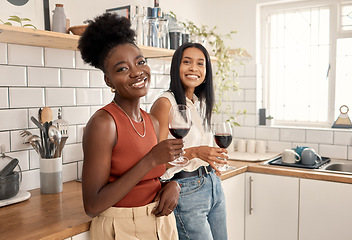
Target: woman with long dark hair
[[200, 212]]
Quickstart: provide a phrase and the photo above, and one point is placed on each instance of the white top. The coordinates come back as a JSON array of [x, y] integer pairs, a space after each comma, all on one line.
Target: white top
[[197, 136]]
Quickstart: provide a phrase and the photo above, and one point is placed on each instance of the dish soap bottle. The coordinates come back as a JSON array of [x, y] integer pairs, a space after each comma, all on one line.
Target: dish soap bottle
[[59, 19]]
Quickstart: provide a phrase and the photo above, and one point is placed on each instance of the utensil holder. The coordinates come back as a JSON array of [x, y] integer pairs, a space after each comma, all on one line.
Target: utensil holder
[[50, 175]]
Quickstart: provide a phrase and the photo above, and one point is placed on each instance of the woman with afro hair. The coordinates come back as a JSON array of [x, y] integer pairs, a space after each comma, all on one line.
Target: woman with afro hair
[[122, 157]]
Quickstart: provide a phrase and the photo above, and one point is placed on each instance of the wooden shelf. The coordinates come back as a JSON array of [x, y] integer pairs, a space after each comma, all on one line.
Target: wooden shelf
[[41, 38]]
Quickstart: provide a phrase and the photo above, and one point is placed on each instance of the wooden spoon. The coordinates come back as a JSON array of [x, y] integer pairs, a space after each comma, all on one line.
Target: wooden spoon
[[47, 115]]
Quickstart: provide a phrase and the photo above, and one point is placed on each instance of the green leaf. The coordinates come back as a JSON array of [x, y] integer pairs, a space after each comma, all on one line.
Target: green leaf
[[15, 18], [29, 25], [25, 19]]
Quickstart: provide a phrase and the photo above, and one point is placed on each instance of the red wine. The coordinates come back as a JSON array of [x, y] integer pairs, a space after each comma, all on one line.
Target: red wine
[[223, 140], [179, 132]]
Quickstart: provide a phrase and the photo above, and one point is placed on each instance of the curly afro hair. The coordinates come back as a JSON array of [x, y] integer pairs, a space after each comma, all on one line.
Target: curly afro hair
[[103, 34]]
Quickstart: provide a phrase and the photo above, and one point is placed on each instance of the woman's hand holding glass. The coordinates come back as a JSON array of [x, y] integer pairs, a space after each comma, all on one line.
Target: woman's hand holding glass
[[212, 155], [166, 151], [223, 138], [179, 126]]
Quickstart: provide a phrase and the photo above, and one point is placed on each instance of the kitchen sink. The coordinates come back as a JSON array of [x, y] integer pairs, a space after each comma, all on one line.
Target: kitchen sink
[[345, 168]]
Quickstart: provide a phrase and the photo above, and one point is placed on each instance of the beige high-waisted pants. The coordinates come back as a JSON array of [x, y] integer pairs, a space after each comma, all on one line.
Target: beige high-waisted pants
[[136, 223]]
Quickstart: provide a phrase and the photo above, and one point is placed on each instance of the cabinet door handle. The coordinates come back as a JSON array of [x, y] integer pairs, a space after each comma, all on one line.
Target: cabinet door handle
[[250, 195]]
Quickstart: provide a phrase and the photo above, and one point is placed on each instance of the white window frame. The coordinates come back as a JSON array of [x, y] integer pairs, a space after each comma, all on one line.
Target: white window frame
[[263, 11]]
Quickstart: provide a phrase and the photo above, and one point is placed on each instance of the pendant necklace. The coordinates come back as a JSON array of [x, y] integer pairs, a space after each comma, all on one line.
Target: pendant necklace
[[144, 128]]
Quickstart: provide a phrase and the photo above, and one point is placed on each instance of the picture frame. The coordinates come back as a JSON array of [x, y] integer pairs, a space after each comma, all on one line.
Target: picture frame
[[128, 11], [46, 15]]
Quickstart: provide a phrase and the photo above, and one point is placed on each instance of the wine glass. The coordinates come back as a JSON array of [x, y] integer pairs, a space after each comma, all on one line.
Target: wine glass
[[223, 138], [179, 126]]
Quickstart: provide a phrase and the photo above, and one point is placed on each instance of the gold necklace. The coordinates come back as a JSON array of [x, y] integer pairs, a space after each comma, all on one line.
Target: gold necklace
[[144, 128]]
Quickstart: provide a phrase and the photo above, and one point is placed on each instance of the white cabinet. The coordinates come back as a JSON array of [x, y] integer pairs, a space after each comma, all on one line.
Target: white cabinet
[[325, 210], [234, 189], [80, 236], [271, 207]]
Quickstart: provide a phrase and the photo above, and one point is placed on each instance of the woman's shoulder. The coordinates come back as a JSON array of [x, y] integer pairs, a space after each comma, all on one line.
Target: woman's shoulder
[[100, 122], [167, 96], [161, 104]]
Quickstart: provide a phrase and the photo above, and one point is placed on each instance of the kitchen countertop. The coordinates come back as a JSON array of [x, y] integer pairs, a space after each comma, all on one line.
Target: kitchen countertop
[[59, 216], [257, 167], [52, 216]]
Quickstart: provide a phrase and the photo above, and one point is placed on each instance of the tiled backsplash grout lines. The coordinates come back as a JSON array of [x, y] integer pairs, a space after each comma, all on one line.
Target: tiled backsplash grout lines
[[34, 77]]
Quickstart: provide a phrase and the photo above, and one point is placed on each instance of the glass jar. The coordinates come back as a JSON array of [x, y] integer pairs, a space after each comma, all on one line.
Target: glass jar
[[151, 32], [175, 39], [163, 33]]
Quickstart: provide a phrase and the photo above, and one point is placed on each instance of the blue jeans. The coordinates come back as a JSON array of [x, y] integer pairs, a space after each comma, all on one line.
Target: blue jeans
[[201, 212]]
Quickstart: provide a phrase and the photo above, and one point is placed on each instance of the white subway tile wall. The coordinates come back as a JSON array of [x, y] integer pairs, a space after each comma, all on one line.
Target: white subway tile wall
[[69, 172], [74, 78], [60, 97], [343, 138], [319, 136], [43, 77], [3, 53], [13, 76], [25, 55], [96, 79], [90, 96], [249, 120], [333, 151], [34, 77], [278, 146], [5, 140], [264, 133], [292, 135], [26, 97], [244, 132], [12, 119], [59, 58], [4, 97], [80, 63]]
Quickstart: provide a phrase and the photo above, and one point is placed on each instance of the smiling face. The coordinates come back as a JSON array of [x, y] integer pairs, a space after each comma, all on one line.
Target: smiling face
[[192, 69], [127, 72]]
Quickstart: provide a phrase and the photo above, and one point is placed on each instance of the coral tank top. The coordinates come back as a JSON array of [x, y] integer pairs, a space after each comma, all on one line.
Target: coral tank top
[[129, 149]]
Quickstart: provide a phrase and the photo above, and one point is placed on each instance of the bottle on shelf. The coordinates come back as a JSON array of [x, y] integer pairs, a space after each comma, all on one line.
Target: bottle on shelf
[[59, 19]]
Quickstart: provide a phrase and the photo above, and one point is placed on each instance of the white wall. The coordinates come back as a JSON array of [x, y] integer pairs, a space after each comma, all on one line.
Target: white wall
[[79, 10]]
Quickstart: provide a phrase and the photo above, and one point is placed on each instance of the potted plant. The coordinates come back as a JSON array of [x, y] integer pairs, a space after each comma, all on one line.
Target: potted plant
[[269, 120], [19, 20]]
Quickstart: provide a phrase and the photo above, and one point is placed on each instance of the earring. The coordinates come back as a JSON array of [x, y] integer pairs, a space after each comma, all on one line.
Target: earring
[[113, 90]]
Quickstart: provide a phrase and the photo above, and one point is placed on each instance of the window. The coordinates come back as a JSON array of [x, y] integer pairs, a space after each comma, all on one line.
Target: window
[[346, 16], [306, 60]]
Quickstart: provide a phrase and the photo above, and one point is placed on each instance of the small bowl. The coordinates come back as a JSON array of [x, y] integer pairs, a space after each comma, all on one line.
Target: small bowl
[[78, 30]]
